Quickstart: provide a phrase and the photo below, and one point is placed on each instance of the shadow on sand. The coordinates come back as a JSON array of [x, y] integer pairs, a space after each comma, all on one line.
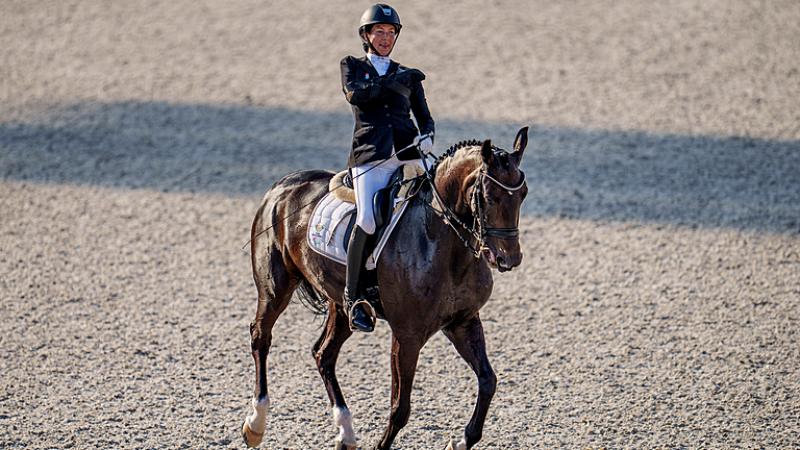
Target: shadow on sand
[[696, 181]]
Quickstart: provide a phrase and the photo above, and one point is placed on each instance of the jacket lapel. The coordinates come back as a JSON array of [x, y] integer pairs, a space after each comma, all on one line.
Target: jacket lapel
[[393, 66]]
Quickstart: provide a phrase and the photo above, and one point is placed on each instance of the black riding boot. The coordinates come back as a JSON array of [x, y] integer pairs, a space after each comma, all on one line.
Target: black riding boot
[[359, 311]]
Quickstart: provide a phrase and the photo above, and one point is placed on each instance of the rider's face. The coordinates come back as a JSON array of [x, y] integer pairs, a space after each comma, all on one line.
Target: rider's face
[[382, 37]]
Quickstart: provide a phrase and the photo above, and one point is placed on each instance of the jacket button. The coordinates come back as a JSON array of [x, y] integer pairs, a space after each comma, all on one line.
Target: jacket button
[[385, 106]]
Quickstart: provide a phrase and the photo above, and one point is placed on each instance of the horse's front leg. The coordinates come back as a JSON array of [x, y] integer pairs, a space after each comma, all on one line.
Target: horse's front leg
[[468, 339], [405, 354]]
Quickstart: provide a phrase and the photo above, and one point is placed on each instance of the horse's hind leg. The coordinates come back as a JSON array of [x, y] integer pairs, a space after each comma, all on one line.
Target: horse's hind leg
[[325, 352], [275, 286], [469, 341]]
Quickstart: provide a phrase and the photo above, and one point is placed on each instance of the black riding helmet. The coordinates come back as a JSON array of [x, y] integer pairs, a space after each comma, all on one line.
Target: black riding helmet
[[375, 14]]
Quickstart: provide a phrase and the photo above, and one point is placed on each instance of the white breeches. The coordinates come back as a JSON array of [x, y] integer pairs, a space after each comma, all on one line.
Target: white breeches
[[368, 179]]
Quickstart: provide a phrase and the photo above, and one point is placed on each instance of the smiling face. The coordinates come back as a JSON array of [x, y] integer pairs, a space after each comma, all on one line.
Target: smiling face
[[382, 36]]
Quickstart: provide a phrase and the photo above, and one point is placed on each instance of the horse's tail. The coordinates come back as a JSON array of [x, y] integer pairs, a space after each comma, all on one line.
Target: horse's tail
[[310, 298]]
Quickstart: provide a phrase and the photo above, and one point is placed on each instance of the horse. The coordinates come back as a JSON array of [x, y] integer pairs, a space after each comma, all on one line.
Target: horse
[[434, 274]]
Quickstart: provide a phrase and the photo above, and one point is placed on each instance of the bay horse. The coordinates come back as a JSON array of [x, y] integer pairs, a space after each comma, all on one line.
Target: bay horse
[[434, 274]]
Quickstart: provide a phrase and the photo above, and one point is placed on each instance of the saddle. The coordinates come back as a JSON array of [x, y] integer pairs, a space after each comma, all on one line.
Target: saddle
[[334, 215]]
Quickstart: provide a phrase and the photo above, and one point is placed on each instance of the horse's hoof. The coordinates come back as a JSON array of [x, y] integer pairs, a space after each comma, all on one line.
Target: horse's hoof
[[342, 446], [251, 438], [452, 445]]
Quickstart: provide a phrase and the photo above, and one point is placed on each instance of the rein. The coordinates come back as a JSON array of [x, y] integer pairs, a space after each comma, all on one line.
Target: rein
[[479, 230]]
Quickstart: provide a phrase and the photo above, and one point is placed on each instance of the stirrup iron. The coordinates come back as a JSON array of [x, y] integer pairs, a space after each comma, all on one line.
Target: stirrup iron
[[368, 309]]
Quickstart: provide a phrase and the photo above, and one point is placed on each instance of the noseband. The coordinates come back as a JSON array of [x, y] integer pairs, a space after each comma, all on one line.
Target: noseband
[[479, 229]]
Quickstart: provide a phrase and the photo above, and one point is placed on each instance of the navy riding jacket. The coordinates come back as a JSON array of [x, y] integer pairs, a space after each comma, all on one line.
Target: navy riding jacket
[[382, 107]]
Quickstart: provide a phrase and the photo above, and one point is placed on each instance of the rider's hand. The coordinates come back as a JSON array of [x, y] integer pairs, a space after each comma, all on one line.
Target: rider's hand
[[425, 143], [408, 77]]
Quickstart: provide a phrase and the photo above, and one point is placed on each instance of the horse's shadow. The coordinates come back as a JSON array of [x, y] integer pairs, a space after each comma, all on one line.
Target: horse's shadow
[[631, 176]]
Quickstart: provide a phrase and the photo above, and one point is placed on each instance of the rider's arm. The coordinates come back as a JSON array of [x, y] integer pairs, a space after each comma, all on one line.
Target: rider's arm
[[357, 91], [419, 106]]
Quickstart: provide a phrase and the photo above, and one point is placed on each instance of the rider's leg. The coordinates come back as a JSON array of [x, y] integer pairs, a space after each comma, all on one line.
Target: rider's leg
[[367, 180], [361, 319]]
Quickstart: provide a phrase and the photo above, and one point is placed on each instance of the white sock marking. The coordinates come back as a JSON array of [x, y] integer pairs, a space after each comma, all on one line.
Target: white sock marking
[[343, 419], [258, 419]]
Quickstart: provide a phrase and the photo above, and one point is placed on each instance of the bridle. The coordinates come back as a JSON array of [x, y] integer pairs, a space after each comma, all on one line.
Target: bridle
[[479, 230], [478, 195]]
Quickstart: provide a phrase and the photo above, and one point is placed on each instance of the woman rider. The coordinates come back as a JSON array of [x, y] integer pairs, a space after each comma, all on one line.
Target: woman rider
[[383, 94]]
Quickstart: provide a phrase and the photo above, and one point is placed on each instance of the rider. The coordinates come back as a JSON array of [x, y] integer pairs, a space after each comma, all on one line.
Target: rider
[[383, 94]]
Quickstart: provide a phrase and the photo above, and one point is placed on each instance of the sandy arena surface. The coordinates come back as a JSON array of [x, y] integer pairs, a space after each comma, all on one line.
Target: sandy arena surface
[[657, 304]]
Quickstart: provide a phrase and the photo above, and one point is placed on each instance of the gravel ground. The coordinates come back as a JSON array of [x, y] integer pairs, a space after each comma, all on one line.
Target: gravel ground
[[657, 305]]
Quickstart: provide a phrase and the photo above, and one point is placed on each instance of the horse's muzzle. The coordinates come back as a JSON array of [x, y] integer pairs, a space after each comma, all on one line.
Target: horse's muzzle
[[501, 262], [502, 266]]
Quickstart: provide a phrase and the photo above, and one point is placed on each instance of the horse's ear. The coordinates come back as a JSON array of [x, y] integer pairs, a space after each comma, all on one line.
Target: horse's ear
[[486, 152], [520, 142]]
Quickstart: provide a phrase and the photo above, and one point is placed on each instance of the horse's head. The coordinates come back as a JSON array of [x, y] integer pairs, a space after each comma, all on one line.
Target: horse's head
[[495, 200]]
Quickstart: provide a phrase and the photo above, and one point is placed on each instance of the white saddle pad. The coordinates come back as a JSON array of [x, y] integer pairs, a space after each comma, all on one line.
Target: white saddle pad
[[328, 225]]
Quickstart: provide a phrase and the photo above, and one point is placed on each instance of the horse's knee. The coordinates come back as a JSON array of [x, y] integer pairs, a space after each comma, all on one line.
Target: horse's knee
[[260, 344], [325, 360], [260, 338], [255, 333]]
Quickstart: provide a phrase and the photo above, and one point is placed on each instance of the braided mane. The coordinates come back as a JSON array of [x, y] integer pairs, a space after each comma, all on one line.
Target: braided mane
[[456, 147]]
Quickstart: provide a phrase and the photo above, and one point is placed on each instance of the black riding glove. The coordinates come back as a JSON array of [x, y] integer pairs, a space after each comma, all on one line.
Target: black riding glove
[[409, 77]]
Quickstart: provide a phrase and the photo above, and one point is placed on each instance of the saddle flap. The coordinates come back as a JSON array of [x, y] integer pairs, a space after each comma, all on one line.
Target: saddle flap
[[332, 222]]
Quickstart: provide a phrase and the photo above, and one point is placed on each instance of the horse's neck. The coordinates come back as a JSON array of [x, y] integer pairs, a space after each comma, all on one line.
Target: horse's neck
[[451, 181]]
